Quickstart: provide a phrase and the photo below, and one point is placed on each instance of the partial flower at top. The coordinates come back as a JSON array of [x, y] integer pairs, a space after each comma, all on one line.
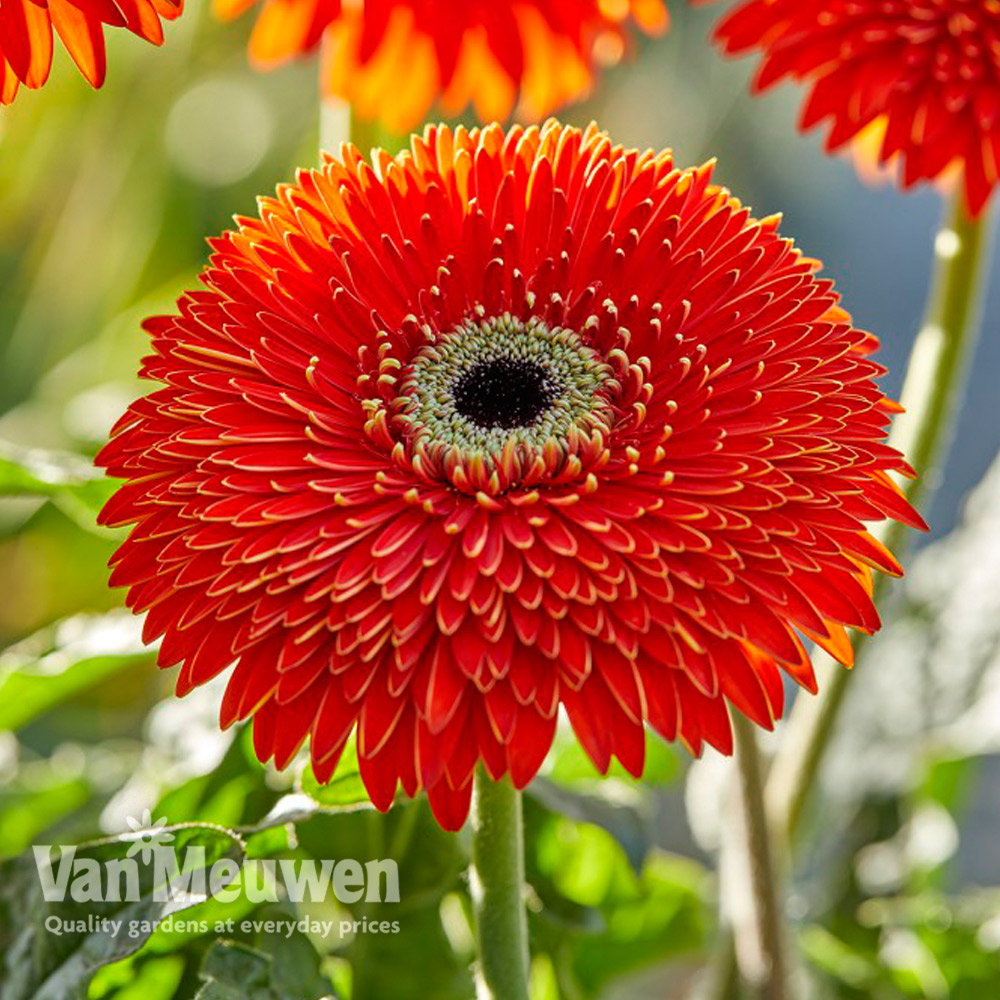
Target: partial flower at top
[[919, 77], [509, 422], [392, 59], [26, 35]]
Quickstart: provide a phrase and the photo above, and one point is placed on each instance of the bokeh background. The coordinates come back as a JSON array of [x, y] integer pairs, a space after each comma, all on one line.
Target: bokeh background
[[106, 200]]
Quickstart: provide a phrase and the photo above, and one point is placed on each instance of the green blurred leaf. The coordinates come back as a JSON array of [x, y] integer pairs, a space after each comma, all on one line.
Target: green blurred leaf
[[281, 967], [233, 794], [27, 809], [827, 952], [295, 963], [922, 947], [234, 971], [156, 979], [345, 790], [622, 820], [40, 964], [71, 481], [54, 666], [417, 959], [600, 918]]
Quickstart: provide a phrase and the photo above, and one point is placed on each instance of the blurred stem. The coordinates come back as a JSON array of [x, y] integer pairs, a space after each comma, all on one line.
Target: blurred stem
[[335, 123], [496, 882], [365, 134], [770, 979], [335, 118], [339, 124], [723, 982], [934, 379]]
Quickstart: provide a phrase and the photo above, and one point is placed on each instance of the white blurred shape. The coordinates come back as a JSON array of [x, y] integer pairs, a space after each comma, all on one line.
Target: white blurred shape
[[218, 131], [90, 415], [932, 836]]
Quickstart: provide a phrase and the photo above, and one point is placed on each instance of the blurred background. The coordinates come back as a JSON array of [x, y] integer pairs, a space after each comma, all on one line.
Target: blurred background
[[106, 200]]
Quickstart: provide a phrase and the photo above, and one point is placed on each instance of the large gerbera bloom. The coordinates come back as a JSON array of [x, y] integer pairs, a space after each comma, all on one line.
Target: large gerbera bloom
[[26, 35], [507, 423], [921, 76], [393, 58]]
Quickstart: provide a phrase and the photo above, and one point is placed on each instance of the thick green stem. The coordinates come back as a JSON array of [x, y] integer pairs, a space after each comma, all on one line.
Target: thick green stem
[[934, 380], [769, 978], [496, 882]]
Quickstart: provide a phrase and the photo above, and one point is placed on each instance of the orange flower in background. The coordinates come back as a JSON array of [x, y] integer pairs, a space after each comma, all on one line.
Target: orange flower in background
[[509, 422], [924, 75], [392, 59], [26, 35]]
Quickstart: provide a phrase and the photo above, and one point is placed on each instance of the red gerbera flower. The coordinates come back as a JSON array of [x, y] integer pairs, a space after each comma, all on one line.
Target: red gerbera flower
[[393, 58], [508, 422], [26, 35], [923, 75]]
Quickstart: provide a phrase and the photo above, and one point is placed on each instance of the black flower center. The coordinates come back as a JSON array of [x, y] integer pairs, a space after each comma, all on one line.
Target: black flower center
[[504, 392]]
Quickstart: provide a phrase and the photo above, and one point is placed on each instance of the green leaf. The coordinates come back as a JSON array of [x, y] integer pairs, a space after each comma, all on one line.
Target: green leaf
[[624, 821], [71, 481], [54, 666], [600, 918], [630, 810], [233, 970], [52, 948], [416, 959], [156, 979], [283, 967], [829, 953], [295, 963], [345, 790], [27, 811], [233, 794]]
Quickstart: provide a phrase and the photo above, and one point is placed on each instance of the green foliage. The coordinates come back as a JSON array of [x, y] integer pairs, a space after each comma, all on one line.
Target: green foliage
[[345, 790], [287, 970], [928, 947], [52, 948], [57, 665], [600, 918], [105, 218], [68, 480]]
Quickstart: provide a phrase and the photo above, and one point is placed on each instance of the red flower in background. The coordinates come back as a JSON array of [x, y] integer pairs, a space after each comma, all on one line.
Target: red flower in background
[[511, 421], [923, 76], [26, 38], [392, 59]]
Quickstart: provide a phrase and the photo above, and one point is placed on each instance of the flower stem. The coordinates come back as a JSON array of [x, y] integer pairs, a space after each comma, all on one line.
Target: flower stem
[[335, 123], [496, 879], [770, 976], [934, 379], [335, 118]]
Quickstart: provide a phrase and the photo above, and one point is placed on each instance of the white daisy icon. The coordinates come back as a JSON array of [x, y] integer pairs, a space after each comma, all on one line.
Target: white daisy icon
[[147, 835]]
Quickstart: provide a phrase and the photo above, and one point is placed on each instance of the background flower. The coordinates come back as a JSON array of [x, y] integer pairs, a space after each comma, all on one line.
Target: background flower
[[393, 58], [921, 76], [572, 429], [26, 28]]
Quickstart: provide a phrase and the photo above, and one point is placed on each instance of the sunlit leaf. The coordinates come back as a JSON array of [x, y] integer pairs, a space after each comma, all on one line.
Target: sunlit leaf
[[52, 948], [345, 790], [51, 668], [69, 480]]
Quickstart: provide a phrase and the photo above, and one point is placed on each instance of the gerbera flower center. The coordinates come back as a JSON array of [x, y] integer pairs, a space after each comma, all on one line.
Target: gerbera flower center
[[504, 392], [503, 395]]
